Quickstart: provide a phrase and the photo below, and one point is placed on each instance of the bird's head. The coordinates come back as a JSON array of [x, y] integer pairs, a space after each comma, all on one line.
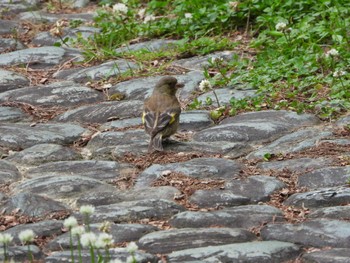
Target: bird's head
[[168, 85]]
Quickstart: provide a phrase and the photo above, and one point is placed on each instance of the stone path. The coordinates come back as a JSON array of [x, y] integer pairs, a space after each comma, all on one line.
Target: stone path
[[210, 197]]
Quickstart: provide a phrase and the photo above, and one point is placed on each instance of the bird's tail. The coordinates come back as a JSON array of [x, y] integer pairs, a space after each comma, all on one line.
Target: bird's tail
[[156, 143]]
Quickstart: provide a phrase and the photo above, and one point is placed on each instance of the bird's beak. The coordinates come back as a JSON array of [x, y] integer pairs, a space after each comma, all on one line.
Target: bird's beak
[[179, 85]]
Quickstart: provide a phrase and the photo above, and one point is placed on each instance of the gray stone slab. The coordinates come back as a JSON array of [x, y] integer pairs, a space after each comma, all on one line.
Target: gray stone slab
[[249, 252], [322, 197], [202, 168], [102, 71], [41, 229], [256, 188], [8, 26], [300, 165], [151, 46], [20, 136], [32, 205], [99, 170], [117, 196], [256, 127], [65, 94], [201, 62], [334, 255], [294, 142], [43, 17], [121, 124], [120, 233], [47, 39], [195, 120], [132, 211], [242, 217], [225, 94], [345, 120], [116, 253], [325, 177], [314, 233], [11, 8], [9, 44], [66, 187], [217, 198], [38, 57], [43, 153], [10, 80], [100, 113], [8, 173], [20, 253], [167, 241], [13, 114], [334, 212]]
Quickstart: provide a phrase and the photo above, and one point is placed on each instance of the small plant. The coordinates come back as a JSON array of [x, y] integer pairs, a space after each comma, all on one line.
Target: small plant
[[27, 237]]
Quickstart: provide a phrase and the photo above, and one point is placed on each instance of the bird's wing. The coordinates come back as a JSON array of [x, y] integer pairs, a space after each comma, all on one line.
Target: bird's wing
[[155, 122]]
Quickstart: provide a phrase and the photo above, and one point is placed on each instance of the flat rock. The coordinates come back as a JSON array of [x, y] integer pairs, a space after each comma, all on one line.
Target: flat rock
[[8, 173], [116, 253], [20, 253], [242, 217], [225, 94], [343, 121], [41, 229], [167, 241], [201, 62], [294, 142], [32, 205], [202, 168], [217, 198], [300, 165], [314, 233], [19, 135], [100, 113], [334, 212], [132, 211], [102, 71], [257, 188], [262, 252], [13, 114], [43, 153], [66, 187], [151, 46], [325, 177], [65, 94], [9, 44], [321, 197], [117, 196], [120, 232], [38, 57], [10, 80], [17, 6], [99, 170], [255, 127], [195, 120], [47, 39], [338, 255], [43, 17], [8, 26]]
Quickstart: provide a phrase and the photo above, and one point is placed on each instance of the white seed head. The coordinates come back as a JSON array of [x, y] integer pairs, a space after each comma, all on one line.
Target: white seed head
[[104, 240], [26, 236], [281, 26], [332, 52], [87, 209], [130, 259], [116, 261], [6, 238], [120, 8], [204, 85], [339, 73], [78, 230], [188, 15], [132, 247], [149, 18], [88, 239], [70, 222]]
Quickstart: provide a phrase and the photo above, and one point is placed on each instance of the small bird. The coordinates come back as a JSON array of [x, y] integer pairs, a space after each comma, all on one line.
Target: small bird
[[161, 113]]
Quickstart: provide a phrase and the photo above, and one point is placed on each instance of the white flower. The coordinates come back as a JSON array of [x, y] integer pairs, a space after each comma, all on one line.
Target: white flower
[[88, 239], [70, 222], [26, 236], [130, 259], [332, 52], [120, 8], [339, 73], [188, 15], [104, 240], [149, 18], [281, 26], [78, 230], [216, 60], [5, 238], [204, 85], [116, 261], [141, 12], [87, 209], [132, 247]]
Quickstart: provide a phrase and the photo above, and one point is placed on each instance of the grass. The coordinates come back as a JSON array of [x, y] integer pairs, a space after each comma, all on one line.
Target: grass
[[302, 48]]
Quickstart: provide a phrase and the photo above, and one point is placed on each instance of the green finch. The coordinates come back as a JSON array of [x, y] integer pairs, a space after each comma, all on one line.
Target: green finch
[[161, 112]]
